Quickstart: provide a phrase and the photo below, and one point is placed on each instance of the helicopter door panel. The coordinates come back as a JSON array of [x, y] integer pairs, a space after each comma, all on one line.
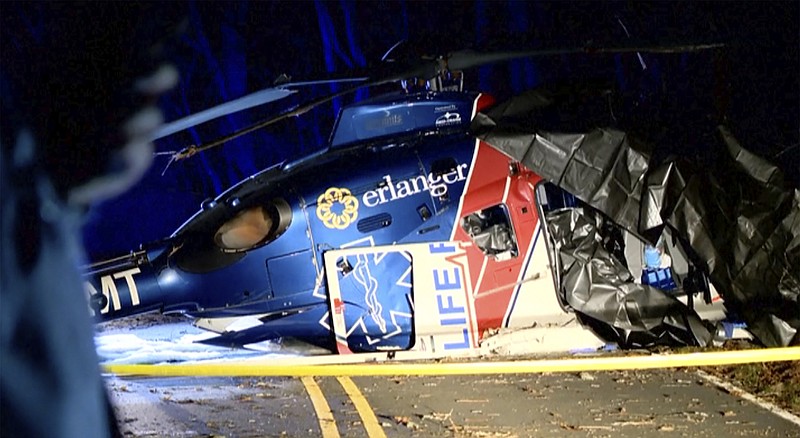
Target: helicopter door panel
[[401, 297], [292, 273], [377, 296]]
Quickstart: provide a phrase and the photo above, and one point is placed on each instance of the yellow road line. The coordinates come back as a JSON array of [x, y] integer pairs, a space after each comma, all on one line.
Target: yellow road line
[[374, 429], [602, 363], [326, 421]]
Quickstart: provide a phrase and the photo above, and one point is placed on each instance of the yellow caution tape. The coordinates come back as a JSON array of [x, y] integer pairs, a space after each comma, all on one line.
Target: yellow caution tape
[[602, 363]]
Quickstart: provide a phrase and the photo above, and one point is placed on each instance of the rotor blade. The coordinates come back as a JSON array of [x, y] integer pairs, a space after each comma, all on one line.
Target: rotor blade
[[463, 60], [191, 150], [429, 67], [251, 100]]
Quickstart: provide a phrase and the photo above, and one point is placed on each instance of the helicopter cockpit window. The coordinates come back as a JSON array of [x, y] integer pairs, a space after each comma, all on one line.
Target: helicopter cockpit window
[[254, 226], [492, 232]]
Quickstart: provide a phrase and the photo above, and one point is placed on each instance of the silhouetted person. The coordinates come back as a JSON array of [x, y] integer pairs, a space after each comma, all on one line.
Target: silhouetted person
[[79, 83]]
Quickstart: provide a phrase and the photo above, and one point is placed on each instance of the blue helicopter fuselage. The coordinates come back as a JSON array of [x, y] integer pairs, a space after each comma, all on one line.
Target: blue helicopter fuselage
[[396, 172]]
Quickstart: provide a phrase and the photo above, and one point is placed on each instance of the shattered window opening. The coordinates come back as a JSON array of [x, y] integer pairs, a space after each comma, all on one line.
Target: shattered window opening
[[492, 232]]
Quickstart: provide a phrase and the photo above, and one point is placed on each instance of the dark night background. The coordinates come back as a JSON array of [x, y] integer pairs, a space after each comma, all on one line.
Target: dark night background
[[233, 48]]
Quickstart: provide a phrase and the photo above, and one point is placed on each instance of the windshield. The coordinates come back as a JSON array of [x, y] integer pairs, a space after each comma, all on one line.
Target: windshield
[[253, 226]]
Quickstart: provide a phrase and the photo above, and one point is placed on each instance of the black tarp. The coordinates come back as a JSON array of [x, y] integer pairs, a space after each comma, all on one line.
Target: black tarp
[[598, 285], [737, 219]]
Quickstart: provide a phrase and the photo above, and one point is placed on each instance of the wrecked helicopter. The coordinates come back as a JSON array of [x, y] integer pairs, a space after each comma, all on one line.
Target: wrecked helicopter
[[436, 217]]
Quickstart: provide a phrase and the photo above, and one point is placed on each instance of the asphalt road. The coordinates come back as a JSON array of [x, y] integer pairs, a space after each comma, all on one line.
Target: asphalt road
[[652, 403]]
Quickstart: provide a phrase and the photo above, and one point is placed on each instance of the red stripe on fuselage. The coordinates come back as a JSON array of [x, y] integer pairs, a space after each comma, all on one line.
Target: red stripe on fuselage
[[487, 187]]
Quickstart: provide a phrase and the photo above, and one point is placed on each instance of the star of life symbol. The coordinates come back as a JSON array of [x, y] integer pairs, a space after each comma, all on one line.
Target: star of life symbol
[[337, 208], [380, 284], [363, 276]]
